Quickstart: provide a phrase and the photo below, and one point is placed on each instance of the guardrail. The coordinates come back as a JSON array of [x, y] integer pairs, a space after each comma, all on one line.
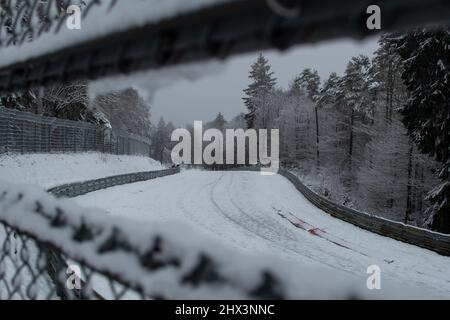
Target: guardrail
[[80, 188], [424, 238], [55, 259]]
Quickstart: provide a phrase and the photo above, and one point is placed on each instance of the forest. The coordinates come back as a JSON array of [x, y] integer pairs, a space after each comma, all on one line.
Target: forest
[[375, 138]]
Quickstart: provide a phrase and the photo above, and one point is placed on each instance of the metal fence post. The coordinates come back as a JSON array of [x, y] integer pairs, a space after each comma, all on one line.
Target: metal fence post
[[22, 141], [49, 133], [75, 140]]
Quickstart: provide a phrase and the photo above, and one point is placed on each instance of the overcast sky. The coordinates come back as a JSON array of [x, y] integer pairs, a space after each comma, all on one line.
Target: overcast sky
[[189, 100]]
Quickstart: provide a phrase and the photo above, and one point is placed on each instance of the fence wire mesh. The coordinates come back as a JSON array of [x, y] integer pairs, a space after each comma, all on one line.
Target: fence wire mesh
[[33, 270], [26, 20], [22, 132]]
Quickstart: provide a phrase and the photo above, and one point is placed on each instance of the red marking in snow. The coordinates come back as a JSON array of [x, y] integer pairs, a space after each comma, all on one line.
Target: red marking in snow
[[299, 223]]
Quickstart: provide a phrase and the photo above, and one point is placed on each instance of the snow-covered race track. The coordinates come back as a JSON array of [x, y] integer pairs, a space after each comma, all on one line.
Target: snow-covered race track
[[258, 213]]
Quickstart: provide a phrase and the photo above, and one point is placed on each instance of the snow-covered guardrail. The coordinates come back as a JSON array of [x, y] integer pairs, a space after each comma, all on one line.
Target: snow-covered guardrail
[[56, 260], [424, 238], [80, 188]]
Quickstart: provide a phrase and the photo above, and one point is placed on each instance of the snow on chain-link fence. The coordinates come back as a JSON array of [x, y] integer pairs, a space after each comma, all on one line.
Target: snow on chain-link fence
[[24, 20], [23, 132], [33, 268]]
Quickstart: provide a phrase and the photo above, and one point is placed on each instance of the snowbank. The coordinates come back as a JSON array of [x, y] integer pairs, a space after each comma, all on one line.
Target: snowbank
[[49, 170]]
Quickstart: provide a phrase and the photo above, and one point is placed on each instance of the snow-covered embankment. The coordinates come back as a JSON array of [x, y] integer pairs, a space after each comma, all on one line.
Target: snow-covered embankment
[[50, 170]]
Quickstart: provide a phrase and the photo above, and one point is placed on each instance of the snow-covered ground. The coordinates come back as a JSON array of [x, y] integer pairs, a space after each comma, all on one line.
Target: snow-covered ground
[[49, 170], [266, 214]]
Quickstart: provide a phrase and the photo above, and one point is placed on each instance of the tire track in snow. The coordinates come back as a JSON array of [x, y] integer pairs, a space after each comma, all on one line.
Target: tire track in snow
[[271, 241], [180, 203], [265, 223]]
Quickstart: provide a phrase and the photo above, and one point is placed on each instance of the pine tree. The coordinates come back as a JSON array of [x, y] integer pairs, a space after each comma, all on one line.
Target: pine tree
[[135, 118], [356, 85], [309, 82], [329, 92], [159, 140], [258, 91], [426, 58], [387, 76], [218, 123], [356, 102]]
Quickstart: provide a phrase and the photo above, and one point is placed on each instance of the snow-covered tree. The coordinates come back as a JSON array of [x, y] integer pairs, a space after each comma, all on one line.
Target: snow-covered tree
[[126, 110], [218, 123], [258, 91], [426, 60], [237, 122], [161, 143], [387, 76], [329, 93], [309, 82], [356, 100]]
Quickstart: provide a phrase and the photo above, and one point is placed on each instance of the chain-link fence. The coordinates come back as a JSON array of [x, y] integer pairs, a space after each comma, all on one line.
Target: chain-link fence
[[23, 132], [23, 20], [33, 269]]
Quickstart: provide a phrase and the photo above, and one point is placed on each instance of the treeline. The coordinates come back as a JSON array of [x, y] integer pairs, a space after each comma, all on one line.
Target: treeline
[[375, 138]]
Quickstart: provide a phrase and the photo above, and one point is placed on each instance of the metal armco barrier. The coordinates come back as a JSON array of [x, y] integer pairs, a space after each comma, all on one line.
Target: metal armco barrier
[[427, 239], [79, 188], [55, 260]]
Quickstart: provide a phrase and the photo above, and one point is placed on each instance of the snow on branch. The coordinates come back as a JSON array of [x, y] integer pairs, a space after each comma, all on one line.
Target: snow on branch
[[30, 28]]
